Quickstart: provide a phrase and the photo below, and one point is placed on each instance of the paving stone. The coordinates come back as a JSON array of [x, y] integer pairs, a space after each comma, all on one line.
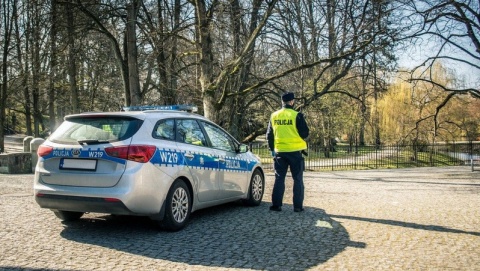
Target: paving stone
[[401, 219]]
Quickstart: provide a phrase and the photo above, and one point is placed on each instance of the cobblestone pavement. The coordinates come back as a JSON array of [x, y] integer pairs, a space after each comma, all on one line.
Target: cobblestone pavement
[[403, 219]]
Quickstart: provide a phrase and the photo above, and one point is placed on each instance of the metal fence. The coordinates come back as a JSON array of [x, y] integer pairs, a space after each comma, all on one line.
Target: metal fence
[[345, 157]]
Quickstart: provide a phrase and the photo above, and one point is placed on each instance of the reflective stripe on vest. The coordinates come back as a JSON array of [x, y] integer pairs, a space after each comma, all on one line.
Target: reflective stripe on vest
[[286, 137]]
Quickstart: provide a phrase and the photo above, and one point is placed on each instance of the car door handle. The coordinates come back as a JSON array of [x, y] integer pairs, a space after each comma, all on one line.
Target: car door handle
[[189, 155]]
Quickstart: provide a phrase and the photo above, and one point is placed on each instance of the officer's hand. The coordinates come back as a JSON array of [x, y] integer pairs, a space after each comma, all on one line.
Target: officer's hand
[[273, 153]]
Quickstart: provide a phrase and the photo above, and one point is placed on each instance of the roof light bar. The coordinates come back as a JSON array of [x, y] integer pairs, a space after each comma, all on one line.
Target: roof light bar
[[188, 108]]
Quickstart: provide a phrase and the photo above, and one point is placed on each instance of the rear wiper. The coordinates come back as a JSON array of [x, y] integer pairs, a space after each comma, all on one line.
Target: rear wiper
[[91, 141]]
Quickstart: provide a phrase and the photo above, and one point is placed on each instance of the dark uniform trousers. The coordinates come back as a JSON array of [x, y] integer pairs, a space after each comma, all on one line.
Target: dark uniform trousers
[[281, 163]]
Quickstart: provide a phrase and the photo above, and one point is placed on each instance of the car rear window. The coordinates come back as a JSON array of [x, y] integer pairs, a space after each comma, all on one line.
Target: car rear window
[[94, 129]]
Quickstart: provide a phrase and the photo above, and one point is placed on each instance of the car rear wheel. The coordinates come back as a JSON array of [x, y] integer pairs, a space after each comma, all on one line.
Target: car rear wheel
[[178, 207], [67, 215], [257, 187]]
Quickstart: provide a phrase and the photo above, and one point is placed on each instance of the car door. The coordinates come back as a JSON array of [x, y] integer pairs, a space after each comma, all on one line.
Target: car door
[[234, 175], [199, 157]]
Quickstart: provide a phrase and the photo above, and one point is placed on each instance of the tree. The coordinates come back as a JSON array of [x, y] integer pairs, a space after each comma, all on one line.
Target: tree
[[452, 28], [327, 46], [8, 12], [98, 13], [232, 58], [215, 83], [72, 58], [425, 116], [165, 26]]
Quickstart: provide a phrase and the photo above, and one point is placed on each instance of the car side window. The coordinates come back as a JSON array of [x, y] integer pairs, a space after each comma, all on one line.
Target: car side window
[[219, 139], [189, 131], [164, 129]]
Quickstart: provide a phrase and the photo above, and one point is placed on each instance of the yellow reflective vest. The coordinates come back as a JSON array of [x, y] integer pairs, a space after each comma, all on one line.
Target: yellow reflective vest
[[286, 137]]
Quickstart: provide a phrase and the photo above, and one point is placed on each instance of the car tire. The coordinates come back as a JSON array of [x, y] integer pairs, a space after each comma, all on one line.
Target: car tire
[[256, 189], [68, 215], [178, 206]]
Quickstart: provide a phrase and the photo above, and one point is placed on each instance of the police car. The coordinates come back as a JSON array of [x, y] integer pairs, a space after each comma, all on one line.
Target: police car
[[157, 161]]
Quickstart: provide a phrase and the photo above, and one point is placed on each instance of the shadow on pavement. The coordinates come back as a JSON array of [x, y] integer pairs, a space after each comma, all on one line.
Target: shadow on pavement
[[14, 268], [406, 224], [227, 236]]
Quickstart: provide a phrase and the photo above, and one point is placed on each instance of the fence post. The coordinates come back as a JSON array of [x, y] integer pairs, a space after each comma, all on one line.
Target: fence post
[[398, 154], [333, 166], [355, 155], [471, 154]]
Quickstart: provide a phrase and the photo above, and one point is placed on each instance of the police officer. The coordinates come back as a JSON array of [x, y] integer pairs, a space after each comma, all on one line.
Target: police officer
[[286, 134]]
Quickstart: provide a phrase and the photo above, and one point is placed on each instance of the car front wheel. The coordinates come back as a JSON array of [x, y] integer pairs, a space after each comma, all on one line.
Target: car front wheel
[[257, 187], [178, 207]]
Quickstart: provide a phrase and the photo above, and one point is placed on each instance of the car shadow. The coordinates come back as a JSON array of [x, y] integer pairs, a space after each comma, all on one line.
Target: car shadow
[[226, 236]]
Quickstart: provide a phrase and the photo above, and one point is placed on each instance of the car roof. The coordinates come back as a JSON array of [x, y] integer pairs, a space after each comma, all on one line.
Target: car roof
[[146, 114]]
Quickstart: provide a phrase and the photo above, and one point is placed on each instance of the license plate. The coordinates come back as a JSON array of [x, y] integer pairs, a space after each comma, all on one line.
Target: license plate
[[78, 164]]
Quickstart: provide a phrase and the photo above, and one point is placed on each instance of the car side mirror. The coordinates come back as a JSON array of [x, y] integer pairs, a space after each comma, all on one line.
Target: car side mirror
[[243, 148]]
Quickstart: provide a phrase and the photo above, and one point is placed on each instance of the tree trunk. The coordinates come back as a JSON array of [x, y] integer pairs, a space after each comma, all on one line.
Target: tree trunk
[[24, 71], [173, 80], [160, 52], [363, 106], [205, 49], [215, 85], [167, 44], [3, 83], [2, 110], [53, 67], [133, 78], [72, 63], [332, 38], [36, 66]]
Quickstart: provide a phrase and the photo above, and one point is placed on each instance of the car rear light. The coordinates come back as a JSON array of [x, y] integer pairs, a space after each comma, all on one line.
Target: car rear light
[[44, 150], [137, 153], [111, 200]]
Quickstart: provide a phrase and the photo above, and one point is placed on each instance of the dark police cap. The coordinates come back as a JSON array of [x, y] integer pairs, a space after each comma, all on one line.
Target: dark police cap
[[288, 96]]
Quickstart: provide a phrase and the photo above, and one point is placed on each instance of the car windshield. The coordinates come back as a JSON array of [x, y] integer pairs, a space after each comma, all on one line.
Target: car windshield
[[94, 129]]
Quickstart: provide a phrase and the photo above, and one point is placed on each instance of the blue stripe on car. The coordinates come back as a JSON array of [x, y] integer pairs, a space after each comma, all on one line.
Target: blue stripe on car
[[169, 157], [163, 157], [81, 153]]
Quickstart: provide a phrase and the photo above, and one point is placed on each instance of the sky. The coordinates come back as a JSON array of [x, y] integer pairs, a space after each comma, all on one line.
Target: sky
[[415, 55]]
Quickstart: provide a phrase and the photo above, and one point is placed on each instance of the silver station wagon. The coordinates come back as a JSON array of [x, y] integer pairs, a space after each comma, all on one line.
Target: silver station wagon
[[159, 163]]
